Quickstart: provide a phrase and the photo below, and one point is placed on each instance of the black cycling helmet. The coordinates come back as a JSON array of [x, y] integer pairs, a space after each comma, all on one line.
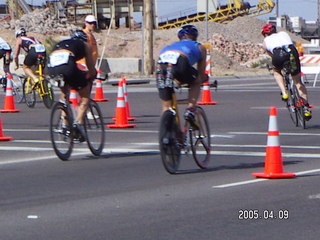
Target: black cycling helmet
[[268, 29], [188, 30], [79, 34], [21, 32]]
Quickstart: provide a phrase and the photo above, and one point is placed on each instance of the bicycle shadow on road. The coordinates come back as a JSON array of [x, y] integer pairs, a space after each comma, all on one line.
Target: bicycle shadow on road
[[120, 155]]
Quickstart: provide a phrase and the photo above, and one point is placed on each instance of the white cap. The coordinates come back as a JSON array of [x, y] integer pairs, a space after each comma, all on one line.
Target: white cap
[[90, 18]]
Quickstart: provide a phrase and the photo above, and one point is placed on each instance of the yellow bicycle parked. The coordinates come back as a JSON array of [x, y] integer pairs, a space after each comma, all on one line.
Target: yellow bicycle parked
[[43, 87]]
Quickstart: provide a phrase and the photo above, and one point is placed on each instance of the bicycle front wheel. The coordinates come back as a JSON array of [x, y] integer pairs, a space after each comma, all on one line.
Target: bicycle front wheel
[[29, 93], [94, 127], [61, 132], [200, 139], [17, 83], [170, 149], [46, 93]]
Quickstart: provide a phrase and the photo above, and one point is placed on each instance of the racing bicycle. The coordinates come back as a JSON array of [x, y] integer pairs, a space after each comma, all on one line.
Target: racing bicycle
[[176, 136], [43, 87], [63, 132], [295, 104]]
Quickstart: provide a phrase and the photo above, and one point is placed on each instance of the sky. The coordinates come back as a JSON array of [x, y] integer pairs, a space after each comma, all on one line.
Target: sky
[[306, 9]]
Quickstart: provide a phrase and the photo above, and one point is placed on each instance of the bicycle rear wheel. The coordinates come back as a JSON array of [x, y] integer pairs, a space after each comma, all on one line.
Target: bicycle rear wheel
[[47, 94], [94, 127], [170, 150], [28, 93], [61, 132], [17, 82], [200, 139], [299, 104]]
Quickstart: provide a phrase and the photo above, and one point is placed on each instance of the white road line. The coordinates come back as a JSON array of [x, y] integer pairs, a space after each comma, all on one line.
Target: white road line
[[107, 130], [281, 133], [235, 184]]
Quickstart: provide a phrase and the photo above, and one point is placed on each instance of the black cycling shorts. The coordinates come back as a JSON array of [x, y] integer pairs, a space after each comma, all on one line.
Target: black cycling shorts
[[280, 56], [182, 71], [73, 76], [32, 56]]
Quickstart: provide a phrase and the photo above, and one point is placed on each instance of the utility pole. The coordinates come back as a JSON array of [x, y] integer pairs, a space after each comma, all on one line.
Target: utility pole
[[148, 37], [277, 8]]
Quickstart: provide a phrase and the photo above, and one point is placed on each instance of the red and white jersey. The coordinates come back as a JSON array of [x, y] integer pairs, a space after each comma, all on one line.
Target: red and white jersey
[[27, 41], [277, 40]]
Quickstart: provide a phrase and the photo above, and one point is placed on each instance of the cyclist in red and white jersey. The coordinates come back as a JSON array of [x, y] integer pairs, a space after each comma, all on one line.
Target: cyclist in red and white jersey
[[33, 47], [280, 46]]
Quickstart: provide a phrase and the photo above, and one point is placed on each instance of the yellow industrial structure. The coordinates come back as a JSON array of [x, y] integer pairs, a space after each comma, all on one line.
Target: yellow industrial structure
[[223, 13]]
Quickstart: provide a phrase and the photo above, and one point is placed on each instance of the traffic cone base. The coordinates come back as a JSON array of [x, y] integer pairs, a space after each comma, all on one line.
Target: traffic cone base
[[273, 167], [121, 125], [3, 138]]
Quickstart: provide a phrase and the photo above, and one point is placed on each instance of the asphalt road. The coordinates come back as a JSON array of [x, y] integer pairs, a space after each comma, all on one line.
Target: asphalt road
[[127, 194]]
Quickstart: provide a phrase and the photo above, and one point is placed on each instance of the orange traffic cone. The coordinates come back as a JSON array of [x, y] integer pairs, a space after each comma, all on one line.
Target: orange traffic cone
[[206, 95], [3, 138], [273, 162], [121, 120], [73, 98], [98, 97], [9, 99], [126, 100]]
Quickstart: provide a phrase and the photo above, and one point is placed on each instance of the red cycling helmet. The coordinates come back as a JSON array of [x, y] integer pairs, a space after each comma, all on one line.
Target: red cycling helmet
[[268, 29]]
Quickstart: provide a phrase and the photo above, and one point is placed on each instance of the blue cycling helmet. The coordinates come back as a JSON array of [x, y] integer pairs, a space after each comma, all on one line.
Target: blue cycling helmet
[[79, 34], [188, 30]]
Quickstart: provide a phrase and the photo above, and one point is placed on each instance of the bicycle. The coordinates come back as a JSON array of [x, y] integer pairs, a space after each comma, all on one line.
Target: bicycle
[[16, 83], [295, 104], [63, 133], [43, 87], [173, 138]]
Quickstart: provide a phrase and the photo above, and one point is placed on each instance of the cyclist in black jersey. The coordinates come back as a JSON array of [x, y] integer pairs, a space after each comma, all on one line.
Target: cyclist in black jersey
[[33, 47], [62, 61]]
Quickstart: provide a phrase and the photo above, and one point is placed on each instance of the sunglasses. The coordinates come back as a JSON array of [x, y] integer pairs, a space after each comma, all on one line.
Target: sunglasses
[[91, 23]]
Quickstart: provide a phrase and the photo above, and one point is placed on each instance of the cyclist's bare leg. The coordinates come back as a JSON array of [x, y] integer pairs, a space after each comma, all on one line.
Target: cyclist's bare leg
[[300, 86], [84, 94], [166, 105], [280, 81], [194, 92], [28, 71]]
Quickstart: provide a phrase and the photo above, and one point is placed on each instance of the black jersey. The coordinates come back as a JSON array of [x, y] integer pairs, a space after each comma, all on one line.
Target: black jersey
[[76, 46]]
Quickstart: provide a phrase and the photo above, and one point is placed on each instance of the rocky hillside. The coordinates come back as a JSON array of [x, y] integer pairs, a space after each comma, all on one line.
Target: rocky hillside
[[235, 47]]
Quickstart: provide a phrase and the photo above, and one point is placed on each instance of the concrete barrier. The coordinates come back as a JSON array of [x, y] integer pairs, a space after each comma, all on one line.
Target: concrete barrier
[[121, 65]]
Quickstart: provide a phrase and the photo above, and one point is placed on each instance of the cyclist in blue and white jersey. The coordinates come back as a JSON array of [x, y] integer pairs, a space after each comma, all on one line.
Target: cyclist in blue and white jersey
[[176, 62]]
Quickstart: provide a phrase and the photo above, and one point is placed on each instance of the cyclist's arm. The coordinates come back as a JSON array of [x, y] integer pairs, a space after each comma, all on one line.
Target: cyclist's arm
[[89, 61], [17, 52], [201, 66]]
